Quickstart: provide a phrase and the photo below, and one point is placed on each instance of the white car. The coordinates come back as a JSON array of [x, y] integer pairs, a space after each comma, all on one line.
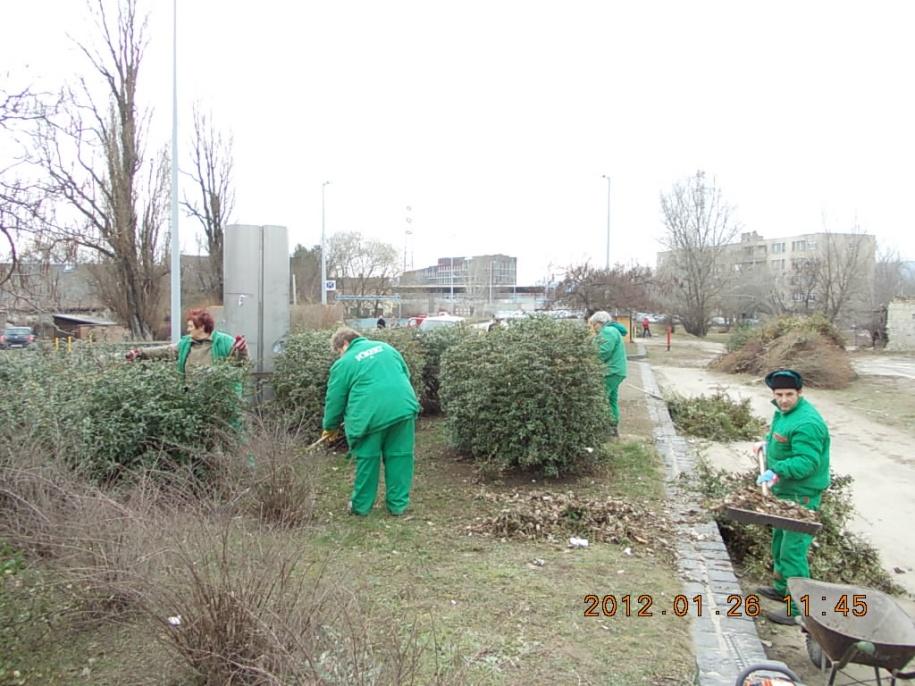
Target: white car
[[439, 321]]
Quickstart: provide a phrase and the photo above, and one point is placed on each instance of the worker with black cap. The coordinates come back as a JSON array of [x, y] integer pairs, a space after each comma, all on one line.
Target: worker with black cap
[[797, 461]]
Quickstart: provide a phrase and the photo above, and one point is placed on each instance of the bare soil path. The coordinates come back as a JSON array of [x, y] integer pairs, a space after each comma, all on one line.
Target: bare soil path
[[881, 458]]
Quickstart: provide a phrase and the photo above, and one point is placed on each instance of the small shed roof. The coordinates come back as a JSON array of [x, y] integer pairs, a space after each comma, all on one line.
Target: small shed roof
[[82, 319]]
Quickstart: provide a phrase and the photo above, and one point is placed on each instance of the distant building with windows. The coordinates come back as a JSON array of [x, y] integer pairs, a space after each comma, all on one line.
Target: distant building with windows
[[794, 268], [468, 274]]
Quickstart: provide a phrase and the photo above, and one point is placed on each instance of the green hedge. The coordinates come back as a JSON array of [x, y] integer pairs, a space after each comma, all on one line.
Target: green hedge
[[300, 373], [528, 397], [434, 344], [300, 378], [93, 409]]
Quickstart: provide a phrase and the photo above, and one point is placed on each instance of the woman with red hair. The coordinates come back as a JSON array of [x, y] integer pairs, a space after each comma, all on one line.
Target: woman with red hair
[[201, 347]]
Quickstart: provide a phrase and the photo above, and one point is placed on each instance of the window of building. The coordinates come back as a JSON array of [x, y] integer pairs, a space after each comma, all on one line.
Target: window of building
[[778, 247], [799, 246]]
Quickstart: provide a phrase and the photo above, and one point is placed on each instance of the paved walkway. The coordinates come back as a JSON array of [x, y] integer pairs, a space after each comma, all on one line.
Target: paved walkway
[[723, 645]]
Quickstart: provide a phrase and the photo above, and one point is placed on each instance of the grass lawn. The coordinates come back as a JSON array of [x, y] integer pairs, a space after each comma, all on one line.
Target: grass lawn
[[498, 611]]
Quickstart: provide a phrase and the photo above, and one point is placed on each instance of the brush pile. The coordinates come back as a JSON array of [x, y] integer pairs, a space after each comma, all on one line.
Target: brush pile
[[537, 515]]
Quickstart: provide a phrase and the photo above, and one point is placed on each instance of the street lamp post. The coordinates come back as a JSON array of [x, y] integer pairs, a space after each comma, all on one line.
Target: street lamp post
[[607, 264], [176, 323], [323, 250], [452, 281]]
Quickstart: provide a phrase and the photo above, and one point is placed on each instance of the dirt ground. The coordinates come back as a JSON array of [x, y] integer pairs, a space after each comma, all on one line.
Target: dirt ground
[[879, 455]]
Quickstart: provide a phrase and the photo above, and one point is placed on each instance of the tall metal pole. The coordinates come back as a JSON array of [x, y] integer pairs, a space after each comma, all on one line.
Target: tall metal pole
[[176, 242], [323, 250], [607, 264], [452, 282], [490, 281]]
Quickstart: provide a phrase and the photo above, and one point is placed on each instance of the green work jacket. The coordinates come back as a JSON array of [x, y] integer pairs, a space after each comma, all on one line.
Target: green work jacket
[[220, 348], [368, 389], [612, 348], [797, 449]]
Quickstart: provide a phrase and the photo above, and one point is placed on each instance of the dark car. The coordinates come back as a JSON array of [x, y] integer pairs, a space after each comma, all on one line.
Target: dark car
[[16, 337]]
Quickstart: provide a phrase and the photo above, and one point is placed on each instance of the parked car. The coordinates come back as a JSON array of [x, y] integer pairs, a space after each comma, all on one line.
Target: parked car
[[438, 321], [16, 337]]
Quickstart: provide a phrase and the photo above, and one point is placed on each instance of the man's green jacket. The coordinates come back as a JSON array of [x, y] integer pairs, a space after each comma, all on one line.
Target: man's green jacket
[[797, 449], [220, 348], [613, 348], [368, 389]]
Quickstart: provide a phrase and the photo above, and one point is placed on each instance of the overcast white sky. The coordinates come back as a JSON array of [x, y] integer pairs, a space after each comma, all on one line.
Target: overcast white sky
[[494, 120]]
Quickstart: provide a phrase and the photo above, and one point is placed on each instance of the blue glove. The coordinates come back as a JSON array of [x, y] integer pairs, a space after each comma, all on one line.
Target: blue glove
[[768, 477]]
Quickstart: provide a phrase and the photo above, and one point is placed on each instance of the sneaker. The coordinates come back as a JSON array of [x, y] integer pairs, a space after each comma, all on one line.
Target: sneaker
[[779, 617], [770, 593], [614, 432]]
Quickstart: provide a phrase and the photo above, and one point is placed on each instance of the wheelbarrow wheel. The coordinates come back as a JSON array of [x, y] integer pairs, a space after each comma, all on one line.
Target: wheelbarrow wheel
[[815, 653]]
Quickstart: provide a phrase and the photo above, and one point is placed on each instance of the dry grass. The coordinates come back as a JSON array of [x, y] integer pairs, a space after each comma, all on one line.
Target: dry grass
[[271, 477], [318, 596]]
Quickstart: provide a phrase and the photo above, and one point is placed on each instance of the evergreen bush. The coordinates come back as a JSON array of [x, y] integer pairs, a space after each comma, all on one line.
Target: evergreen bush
[[528, 397]]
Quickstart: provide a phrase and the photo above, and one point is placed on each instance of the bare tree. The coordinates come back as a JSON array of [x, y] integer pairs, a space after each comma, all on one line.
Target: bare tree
[[362, 267], [16, 108], [305, 265], [620, 288], [804, 281], [846, 263], [95, 189], [889, 277], [699, 226], [212, 161]]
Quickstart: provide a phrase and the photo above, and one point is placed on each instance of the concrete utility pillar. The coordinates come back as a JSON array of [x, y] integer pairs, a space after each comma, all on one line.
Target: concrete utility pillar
[[256, 295]]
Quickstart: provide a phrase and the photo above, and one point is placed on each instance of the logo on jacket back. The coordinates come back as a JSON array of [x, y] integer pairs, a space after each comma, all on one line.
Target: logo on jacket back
[[368, 353]]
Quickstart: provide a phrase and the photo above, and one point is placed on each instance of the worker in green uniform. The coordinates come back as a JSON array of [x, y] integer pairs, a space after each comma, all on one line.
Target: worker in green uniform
[[611, 338], [203, 346], [369, 391], [797, 461]]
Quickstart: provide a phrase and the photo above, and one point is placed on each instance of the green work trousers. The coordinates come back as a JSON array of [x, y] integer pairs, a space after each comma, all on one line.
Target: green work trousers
[[789, 552], [393, 446], [612, 384]]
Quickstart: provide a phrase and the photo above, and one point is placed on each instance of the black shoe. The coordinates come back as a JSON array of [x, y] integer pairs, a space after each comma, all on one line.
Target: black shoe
[[779, 617], [614, 431], [770, 593]]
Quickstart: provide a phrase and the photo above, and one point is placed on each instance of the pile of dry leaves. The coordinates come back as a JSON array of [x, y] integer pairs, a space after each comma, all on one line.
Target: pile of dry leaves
[[752, 499], [539, 515]]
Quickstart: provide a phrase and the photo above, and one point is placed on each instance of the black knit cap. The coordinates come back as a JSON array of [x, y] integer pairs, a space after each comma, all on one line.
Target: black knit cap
[[784, 378]]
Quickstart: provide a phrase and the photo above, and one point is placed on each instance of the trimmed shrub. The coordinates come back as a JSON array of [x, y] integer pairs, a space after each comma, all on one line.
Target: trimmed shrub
[[105, 415], [300, 374], [528, 397], [717, 417], [434, 343], [408, 344], [300, 379]]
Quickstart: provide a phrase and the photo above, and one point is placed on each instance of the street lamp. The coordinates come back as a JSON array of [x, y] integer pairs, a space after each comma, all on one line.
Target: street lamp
[[177, 324], [607, 264], [323, 250]]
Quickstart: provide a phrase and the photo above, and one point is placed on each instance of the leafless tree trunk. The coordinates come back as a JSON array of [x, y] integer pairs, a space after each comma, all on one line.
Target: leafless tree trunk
[[699, 226], [95, 188], [211, 157]]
